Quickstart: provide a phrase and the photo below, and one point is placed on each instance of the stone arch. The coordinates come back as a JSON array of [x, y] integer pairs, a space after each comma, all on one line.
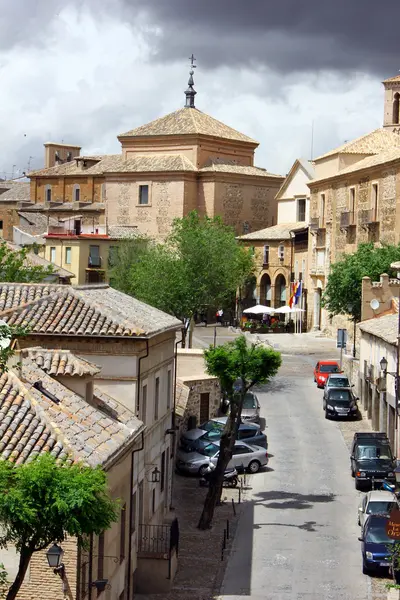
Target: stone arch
[[396, 107], [280, 290], [265, 290]]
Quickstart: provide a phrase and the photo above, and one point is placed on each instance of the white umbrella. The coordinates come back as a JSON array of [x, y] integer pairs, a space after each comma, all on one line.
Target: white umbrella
[[284, 310], [296, 309], [259, 309]]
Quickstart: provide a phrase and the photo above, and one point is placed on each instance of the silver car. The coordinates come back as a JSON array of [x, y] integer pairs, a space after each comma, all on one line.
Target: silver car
[[244, 456], [375, 502], [251, 408], [336, 380]]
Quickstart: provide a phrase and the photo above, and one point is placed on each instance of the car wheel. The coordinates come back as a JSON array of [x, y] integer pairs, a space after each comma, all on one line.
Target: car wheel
[[203, 470], [254, 466], [353, 474], [358, 485], [233, 482], [326, 415]]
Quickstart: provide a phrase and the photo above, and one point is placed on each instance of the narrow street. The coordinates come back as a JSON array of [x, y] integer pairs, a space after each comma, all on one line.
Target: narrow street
[[297, 538]]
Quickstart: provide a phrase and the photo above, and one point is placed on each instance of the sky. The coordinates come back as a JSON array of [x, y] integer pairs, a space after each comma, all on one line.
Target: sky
[[299, 77]]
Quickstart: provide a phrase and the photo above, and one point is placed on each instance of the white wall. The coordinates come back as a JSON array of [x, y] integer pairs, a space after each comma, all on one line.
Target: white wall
[[287, 204]]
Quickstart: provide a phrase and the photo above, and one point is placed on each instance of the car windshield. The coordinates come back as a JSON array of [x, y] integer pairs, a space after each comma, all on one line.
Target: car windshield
[[249, 401], [340, 396], [373, 452], [212, 425], [209, 450], [329, 368], [376, 532], [380, 507], [213, 434], [338, 382]]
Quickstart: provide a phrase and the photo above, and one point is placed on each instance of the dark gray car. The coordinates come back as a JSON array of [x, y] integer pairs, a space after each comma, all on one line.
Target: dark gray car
[[211, 432]]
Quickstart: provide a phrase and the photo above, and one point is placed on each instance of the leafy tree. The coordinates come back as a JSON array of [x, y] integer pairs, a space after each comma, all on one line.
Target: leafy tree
[[238, 367], [342, 294], [3, 581], [43, 501], [15, 266], [200, 265]]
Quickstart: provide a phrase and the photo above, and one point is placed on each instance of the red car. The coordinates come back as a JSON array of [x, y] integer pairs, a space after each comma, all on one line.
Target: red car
[[323, 369]]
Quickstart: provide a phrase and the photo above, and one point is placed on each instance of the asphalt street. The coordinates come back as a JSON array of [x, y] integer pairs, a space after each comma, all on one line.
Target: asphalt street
[[297, 538]]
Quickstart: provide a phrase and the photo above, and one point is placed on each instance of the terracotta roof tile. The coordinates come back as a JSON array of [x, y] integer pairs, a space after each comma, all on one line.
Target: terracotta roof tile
[[225, 166], [276, 232], [85, 311], [188, 121], [384, 327], [372, 143], [61, 362], [392, 79], [14, 191]]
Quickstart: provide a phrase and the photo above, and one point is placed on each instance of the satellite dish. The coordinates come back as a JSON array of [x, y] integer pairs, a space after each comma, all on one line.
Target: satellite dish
[[4, 341], [374, 304]]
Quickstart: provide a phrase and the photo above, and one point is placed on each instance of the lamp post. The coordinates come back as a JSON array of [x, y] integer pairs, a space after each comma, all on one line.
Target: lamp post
[[350, 308], [54, 558]]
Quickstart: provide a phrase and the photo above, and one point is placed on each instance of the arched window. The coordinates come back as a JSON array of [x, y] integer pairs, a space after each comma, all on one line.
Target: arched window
[[396, 106], [47, 192], [77, 193], [265, 290], [280, 291]]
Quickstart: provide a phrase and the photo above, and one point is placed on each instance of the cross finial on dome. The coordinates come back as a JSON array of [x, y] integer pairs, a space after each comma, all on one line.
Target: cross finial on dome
[[190, 92]]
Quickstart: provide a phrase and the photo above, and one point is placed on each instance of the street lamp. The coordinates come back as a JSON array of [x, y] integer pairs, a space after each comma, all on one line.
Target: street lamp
[[54, 558], [350, 308], [384, 363]]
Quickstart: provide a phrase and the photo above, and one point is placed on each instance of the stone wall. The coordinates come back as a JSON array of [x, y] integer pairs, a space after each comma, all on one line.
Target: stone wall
[[62, 189], [189, 405], [9, 216]]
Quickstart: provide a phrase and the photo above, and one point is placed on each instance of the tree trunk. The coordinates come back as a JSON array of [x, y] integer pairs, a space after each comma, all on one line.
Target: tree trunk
[[183, 343], [24, 560], [191, 327], [226, 444]]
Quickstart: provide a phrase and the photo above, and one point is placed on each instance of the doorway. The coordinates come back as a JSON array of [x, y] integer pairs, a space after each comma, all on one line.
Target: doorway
[[204, 407]]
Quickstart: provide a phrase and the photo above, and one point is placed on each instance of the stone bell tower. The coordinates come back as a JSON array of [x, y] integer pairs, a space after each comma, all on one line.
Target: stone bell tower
[[391, 117]]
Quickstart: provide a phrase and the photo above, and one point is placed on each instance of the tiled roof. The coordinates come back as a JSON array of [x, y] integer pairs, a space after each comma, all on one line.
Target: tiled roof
[[373, 161], [188, 121], [14, 191], [31, 422], [157, 162], [182, 397], [276, 232], [384, 328], [122, 414], [372, 143], [392, 79], [35, 223], [72, 168], [96, 310], [226, 166], [34, 260], [299, 163], [61, 362]]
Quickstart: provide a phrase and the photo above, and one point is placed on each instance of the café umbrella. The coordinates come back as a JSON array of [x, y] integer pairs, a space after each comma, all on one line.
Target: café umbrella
[[259, 309]]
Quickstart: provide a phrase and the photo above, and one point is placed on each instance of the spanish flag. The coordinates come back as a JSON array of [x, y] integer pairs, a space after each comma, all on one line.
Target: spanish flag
[[292, 299]]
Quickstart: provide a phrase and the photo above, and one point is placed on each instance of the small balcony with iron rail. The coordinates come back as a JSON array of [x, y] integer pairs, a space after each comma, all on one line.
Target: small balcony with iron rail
[[317, 224], [347, 220], [368, 217], [157, 553]]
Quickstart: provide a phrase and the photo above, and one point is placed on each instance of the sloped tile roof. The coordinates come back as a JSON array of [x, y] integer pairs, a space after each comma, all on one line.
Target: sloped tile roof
[[84, 311], [392, 79], [32, 423], [61, 362], [157, 162], [276, 232], [35, 223], [188, 121], [373, 161], [226, 166], [74, 168], [123, 414], [371, 143], [384, 327], [34, 260], [14, 191]]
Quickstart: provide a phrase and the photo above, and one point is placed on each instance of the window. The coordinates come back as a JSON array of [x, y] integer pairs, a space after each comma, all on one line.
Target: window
[[162, 476], [68, 252], [153, 501], [143, 194], [301, 209], [169, 388], [133, 512], [100, 558], [48, 193], [266, 255], [396, 106], [52, 254], [204, 407], [94, 256], [322, 209], [320, 258], [144, 404], [238, 449], [352, 202], [122, 534], [112, 256], [1, 224], [156, 398], [375, 192], [77, 193], [281, 252]]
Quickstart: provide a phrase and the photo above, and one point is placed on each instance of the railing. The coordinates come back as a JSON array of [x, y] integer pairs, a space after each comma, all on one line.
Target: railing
[[317, 223], [368, 216], [158, 540], [94, 262], [346, 219], [61, 230]]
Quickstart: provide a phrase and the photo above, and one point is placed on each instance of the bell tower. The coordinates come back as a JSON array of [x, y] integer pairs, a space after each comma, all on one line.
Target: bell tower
[[391, 117]]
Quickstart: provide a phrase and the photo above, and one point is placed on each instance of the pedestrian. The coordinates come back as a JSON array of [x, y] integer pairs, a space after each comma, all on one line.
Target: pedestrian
[[220, 316]]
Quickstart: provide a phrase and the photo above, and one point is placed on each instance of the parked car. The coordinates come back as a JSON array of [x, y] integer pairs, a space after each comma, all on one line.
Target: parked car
[[374, 544], [340, 403], [375, 502], [371, 459], [337, 380], [251, 408], [201, 437], [245, 456], [323, 369]]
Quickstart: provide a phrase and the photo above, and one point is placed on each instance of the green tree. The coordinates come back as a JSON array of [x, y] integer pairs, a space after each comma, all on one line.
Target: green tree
[[43, 501], [15, 266], [200, 265], [3, 581], [342, 294], [238, 367]]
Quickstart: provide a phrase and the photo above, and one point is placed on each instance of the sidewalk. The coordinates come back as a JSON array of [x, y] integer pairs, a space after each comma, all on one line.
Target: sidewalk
[[200, 568], [312, 343]]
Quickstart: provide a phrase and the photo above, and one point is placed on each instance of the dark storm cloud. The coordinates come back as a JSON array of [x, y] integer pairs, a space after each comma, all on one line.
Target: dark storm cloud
[[285, 35]]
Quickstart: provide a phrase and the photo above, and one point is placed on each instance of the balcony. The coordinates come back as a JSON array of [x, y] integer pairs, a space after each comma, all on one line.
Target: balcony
[[94, 262], [368, 217], [347, 220], [316, 224]]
